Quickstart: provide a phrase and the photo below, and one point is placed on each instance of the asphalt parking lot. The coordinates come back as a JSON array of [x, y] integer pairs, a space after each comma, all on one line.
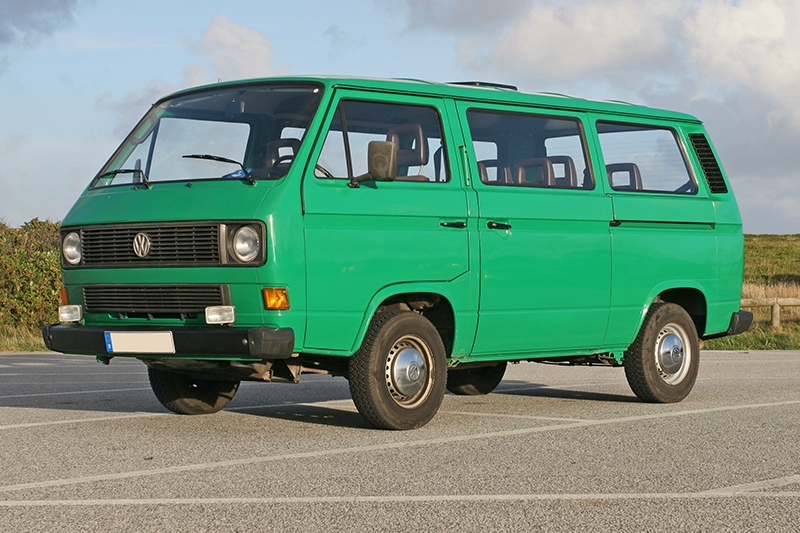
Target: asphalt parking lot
[[87, 447]]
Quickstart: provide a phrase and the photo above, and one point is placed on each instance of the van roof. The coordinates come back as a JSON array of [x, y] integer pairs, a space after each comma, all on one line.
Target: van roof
[[474, 91]]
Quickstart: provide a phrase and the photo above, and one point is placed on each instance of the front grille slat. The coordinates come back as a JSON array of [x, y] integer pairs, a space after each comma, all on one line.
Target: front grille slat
[[154, 299], [171, 244]]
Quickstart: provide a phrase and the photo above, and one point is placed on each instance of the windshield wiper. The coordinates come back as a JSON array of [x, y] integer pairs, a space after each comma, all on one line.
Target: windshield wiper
[[137, 172], [223, 160]]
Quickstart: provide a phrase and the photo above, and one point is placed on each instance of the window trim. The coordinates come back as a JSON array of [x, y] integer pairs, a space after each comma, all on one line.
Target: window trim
[[679, 142], [527, 113], [339, 111]]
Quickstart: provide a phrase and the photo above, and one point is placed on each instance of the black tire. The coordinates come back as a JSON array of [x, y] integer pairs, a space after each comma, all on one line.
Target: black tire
[[398, 376], [185, 395], [475, 381], [662, 363]]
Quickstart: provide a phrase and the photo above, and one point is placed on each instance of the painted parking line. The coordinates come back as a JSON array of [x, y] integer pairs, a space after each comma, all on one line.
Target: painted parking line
[[331, 403], [756, 486], [403, 445], [69, 392], [393, 499]]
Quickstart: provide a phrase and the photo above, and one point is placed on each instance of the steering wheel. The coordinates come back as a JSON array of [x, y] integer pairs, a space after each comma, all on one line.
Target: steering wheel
[[325, 172], [284, 159]]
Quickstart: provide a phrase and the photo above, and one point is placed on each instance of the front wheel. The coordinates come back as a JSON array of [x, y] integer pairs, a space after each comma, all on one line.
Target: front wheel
[[185, 395], [662, 363], [398, 376]]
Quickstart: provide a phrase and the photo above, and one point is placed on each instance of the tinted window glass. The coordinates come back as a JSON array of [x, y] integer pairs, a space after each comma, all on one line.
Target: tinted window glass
[[213, 134], [641, 158], [416, 130], [529, 150]]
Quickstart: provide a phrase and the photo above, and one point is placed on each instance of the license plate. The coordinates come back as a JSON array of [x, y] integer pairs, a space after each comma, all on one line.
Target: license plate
[[139, 342]]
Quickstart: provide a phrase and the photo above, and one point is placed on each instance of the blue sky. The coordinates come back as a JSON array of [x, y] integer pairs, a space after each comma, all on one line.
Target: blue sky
[[75, 75]]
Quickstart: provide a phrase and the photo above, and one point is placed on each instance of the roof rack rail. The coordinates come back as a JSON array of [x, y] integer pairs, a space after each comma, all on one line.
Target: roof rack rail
[[485, 84]]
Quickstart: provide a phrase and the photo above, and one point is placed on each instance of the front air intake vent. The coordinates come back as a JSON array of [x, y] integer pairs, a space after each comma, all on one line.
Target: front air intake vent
[[716, 182], [153, 299]]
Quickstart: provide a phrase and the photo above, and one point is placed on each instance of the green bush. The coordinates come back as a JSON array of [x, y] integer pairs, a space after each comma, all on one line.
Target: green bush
[[30, 275]]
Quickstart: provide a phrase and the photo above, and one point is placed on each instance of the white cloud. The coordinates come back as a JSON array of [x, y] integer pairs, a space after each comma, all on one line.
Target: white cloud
[[459, 16], [235, 52], [574, 40], [26, 20], [734, 64], [755, 44], [132, 106]]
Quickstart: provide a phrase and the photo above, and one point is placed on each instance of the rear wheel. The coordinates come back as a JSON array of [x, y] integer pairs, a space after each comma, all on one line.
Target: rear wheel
[[662, 363], [185, 395], [398, 376], [474, 381]]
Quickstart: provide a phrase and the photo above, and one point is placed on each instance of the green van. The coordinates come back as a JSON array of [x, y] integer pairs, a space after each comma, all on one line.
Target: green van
[[410, 236]]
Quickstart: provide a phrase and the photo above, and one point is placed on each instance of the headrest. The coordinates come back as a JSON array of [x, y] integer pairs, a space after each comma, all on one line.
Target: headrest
[[412, 148], [570, 178], [631, 169], [534, 171], [503, 172], [274, 149]]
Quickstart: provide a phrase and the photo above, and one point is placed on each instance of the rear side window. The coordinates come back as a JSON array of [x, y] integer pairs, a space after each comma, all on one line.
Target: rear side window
[[644, 158], [416, 130], [526, 150]]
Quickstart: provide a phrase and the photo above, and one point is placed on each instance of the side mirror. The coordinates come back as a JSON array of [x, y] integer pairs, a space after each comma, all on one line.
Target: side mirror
[[381, 163]]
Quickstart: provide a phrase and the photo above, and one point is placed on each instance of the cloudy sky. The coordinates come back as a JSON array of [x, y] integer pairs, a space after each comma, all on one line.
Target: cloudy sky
[[75, 75]]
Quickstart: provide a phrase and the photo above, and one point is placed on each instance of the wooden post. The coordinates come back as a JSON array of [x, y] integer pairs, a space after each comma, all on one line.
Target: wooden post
[[776, 316]]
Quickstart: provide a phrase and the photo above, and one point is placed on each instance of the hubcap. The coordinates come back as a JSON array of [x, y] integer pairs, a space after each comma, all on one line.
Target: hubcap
[[407, 371], [673, 354]]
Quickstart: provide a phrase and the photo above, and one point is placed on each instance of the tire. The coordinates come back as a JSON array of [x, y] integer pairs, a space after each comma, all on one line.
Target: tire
[[398, 376], [185, 395], [662, 363], [475, 381]]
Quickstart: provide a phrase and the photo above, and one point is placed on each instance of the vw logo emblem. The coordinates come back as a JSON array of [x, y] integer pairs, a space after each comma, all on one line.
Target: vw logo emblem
[[141, 245]]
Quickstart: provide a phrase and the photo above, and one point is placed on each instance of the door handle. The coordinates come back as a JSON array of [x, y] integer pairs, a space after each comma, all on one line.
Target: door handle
[[459, 224], [497, 225]]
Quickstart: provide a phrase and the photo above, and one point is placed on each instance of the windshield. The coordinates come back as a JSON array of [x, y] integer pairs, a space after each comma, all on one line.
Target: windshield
[[247, 132]]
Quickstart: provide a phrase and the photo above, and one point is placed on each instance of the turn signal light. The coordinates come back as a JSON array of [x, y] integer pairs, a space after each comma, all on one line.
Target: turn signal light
[[276, 299], [64, 299]]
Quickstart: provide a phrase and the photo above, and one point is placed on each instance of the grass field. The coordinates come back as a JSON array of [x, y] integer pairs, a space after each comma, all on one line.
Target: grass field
[[771, 269]]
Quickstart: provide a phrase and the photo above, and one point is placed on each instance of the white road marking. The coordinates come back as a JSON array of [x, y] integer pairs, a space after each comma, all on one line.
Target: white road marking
[[756, 486], [379, 447], [428, 498], [523, 417], [69, 392], [146, 415]]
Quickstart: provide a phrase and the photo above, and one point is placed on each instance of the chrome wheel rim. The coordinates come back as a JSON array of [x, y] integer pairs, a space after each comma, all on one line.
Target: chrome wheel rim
[[673, 353], [408, 370]]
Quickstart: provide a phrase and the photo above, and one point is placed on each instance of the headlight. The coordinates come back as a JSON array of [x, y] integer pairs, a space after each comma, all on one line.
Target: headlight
[[71, 248], [246, 244]]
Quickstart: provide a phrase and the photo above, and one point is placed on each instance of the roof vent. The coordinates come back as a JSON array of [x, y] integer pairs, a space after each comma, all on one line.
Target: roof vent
[[485, 84]]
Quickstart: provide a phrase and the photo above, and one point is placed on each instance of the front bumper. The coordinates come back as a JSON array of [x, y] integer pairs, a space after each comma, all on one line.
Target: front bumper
[[212, 343]]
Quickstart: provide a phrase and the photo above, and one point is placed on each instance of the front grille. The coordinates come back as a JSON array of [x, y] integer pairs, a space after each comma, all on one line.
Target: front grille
[[171, 244], [153, 299]]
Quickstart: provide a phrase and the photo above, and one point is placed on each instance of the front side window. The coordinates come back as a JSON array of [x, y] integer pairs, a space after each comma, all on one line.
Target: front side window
[[525, 150], [416, 130], [247, 132], [644, 158]]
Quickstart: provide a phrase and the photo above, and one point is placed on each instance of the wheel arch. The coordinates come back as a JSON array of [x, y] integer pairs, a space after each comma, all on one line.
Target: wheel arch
[[693, 300], [430, 301]]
